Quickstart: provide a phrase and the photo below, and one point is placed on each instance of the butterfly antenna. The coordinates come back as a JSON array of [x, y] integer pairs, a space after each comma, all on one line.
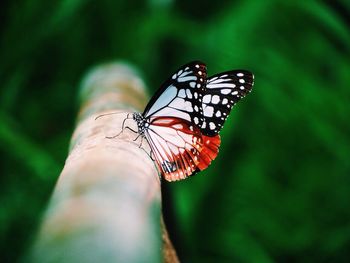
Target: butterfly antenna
[[123, 124], [111, 113], [141, 142]]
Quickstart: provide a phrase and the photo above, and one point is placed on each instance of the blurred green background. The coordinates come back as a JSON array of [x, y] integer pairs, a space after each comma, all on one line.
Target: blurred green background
[[279, 190]]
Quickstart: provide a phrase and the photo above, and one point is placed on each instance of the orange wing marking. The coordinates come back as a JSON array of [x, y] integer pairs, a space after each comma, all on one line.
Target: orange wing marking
[[181, 150]]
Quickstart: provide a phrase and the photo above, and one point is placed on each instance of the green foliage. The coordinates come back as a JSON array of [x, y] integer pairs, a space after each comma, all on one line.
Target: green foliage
[[279, 189]]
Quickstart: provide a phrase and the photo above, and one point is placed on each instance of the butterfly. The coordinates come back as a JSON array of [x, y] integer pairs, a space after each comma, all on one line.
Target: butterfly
[[183, 119]]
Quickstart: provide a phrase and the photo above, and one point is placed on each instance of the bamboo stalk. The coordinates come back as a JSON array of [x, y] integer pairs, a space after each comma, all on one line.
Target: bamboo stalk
[[106, 206]]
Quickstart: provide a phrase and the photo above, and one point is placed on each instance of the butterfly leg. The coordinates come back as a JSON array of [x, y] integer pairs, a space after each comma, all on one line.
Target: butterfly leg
[[150, 155], [127, 127], [140, 146], [137, 138], [141, 141]]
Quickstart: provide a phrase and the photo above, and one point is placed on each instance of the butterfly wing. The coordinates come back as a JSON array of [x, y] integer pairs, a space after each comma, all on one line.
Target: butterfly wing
[[181, 95], [222, 92], [179, 147], [183, 119]]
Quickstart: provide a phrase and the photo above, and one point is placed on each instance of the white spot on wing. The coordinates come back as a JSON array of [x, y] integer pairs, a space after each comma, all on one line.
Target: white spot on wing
[[217, 81], [225, 91], [208, 111], [185, 73], [183, 79], [189, 93], [182, 94], [188, 106], [177, 103], [206, 98], [170, 112], [215, 99], [222, 85], [212, 125]]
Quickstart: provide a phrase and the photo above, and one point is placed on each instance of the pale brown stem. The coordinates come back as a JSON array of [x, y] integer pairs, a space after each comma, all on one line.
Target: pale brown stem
[[106, 206]]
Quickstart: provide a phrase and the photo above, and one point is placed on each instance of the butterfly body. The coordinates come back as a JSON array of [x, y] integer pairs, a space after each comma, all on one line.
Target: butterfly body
[[142, 123], [182, 121]]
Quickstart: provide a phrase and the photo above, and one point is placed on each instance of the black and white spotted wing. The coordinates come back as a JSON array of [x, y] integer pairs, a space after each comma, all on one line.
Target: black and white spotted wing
[[223, 91], [181, 95]]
